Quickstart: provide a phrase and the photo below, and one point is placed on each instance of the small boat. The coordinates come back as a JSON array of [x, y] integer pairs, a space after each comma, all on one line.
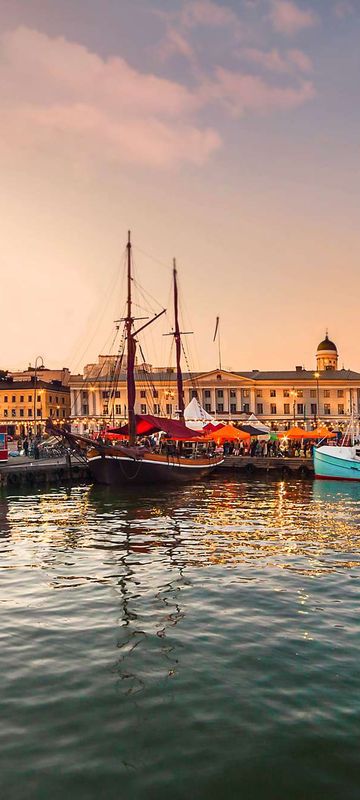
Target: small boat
[[184, 454], [339, 462]]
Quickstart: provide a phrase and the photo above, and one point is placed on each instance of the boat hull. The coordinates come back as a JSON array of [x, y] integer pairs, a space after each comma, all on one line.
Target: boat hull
[[336, 463], [121, 470]]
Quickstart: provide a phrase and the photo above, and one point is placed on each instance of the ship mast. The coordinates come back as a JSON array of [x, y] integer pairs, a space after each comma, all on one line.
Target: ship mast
[[131, 350], [177, 335]]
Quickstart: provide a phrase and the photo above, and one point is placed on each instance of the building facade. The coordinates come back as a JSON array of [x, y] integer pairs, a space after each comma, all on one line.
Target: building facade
[[26, 405], [278, 398]]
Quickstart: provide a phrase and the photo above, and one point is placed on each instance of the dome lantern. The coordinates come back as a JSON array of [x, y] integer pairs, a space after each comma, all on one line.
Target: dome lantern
[[326, 355]]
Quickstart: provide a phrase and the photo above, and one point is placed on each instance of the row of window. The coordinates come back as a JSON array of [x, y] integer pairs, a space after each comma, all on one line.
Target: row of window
[[300, 409], [30, 399], [53, 413]]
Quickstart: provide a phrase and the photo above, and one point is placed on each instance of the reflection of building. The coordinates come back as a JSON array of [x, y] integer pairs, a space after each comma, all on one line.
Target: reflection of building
[[23, 401], [276, 397]]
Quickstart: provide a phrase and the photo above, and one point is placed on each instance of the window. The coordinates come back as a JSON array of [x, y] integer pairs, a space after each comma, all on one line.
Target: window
[[272, 408], [105, 409], [341, 408], [340, 392], [22, 398], [21, 412], [220, 408], [5, 412], [142, 393], [246, 408], [50, 399], [193, 393], [29, 412], [286, 408], [208, 407], [50, 412], [207, 393], [169, 409], [63, 400], [105, 395], [143, 408], [312, 392], [5, 398], [246, 392], [117, 409], [85, 410], [13, 412], [219, 392], [259, 408], [286, 393], [57, 412], [117, 393], [84, 394], [38, 412], [156, 408], [63, 412], [232, 392], [300, 393], [39, 398], [218, 377], [273, 394], [327, 408], [56, 400], [326, 392], [300, 408], [155, 393], [232, 408], [29, 398], [13, 399], [259, 393], [313, 409]]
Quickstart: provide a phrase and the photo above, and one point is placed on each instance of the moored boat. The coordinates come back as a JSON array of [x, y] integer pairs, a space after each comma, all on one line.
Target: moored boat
[[337, 463]]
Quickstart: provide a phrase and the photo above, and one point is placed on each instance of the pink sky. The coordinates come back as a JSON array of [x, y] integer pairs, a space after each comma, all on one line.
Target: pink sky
[[223, 134]]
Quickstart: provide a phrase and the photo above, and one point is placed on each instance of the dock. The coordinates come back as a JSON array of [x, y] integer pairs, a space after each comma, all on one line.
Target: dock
[[24, 472], [284, 467]]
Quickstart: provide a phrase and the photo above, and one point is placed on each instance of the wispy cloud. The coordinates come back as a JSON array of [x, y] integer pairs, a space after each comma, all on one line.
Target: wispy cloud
[[288, 18], [242, 93], [343, 9], [274, 61]]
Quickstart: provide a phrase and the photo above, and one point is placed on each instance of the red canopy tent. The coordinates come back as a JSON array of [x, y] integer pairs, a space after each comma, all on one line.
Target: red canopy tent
[[146, 424]]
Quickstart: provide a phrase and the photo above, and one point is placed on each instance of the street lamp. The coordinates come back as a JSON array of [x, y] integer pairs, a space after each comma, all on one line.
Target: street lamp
[[317, 376], [293, 394], [35, 387]]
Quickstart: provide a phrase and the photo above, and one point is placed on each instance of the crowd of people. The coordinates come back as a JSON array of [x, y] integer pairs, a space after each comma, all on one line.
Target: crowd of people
[[270, 449]]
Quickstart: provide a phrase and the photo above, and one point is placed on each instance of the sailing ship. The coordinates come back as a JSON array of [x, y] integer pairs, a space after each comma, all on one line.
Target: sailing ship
[[183, 455], [342, 462]]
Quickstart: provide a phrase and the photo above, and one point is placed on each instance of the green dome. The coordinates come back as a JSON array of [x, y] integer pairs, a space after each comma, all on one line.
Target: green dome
[[327, 344]]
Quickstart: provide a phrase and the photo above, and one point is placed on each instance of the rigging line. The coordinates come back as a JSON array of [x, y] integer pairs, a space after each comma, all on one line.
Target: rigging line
[[89, 379], [153, 258], [145, 295]]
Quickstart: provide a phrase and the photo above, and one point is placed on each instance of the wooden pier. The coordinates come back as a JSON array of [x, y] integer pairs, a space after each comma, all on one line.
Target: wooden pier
[[284, 467]]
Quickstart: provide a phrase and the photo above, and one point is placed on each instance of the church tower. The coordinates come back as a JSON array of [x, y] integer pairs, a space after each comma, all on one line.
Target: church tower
[[326, 355]]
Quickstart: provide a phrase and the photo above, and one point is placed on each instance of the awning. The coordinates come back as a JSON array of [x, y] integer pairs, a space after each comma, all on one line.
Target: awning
[[293, 433], [228, 433], [321, 433], [146, 424]]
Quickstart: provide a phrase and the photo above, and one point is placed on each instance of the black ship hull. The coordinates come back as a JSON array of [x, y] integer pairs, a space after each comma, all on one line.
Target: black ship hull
[[122, 471]]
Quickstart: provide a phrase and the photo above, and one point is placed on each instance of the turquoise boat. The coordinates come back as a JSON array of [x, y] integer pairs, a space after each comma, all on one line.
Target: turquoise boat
[[337, 463]]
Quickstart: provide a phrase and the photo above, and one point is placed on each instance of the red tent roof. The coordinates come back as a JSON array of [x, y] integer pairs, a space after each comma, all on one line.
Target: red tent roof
[[147, 424]]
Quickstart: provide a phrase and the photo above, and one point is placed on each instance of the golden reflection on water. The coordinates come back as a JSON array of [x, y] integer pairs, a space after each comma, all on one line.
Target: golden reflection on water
[[296, 525]]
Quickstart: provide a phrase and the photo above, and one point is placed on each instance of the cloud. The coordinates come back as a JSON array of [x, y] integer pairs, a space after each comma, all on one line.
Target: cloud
[[242, 93], [344, 8], [287, 18], [274, 61], [209, 14], [56, 93]]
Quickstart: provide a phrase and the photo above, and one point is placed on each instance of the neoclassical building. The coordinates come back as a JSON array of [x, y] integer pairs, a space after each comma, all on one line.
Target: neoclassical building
[[278, 398]]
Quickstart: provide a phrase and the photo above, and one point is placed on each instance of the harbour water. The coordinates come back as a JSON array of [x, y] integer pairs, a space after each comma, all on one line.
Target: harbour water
[[201, 642]]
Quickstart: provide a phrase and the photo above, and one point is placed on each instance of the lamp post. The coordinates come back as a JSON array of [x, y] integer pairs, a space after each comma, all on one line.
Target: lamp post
[[35, 387], [293, 394], [317, 376]]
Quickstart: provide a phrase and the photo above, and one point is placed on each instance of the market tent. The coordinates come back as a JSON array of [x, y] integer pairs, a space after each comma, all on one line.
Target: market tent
[[146, 424], [228, 433], [212, 426], [255, 423], [293, 433], [252, 431], [321, 433], [196, 417]]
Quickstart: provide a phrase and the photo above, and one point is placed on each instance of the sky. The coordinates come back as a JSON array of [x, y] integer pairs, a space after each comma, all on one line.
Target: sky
[[223, 134]]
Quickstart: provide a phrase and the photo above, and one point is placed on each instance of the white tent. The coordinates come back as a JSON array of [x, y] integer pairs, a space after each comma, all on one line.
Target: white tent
[[255, 423], [196, 417]]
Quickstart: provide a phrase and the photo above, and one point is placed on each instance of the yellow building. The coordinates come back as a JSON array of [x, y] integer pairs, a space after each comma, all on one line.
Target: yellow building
[[22, 402]]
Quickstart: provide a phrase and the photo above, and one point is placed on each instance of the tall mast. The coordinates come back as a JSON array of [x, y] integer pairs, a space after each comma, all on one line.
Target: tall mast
[[131, 350], [181, 405]]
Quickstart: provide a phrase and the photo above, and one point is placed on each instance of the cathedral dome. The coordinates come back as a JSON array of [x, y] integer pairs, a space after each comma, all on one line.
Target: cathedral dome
[[327, 344]]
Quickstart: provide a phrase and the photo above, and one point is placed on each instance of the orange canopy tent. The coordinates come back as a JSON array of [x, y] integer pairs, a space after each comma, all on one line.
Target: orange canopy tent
[[228, 433], [293, 433], [321, 433]]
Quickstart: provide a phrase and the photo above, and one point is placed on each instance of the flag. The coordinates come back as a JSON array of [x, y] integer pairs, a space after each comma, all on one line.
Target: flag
[[216, 327]]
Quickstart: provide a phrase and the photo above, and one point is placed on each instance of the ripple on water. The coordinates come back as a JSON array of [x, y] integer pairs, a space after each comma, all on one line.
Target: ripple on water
[[194, 642]]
